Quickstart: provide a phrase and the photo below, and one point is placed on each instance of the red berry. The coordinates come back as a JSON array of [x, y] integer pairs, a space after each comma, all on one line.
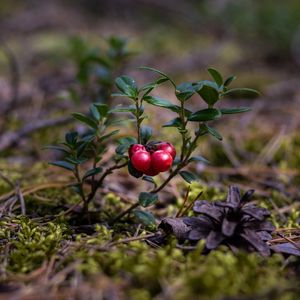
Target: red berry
[[161, 161], [141, 160], [151, 172], [168, 147], [134, 148]]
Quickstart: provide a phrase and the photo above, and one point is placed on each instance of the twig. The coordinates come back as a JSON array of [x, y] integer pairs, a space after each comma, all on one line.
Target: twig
[[191, 204], [184, 201], [7, 180], [131, 239], [21, 199], [289, 240]]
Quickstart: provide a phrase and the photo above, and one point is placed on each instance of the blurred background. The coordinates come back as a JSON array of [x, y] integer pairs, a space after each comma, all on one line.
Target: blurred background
[[58, 56]]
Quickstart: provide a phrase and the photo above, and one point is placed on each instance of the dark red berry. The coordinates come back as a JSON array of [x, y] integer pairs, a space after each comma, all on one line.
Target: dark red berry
[[151, 172], [161, 161], [134, 148], [168, 147], [141, 160]]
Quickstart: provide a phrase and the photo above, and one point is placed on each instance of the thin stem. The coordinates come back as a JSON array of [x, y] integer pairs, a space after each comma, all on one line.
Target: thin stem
[[138, 121], [99, 183], [124, 213], [79, 181]]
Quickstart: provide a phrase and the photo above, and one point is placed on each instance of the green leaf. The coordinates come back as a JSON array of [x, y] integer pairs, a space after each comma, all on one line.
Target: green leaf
[[149, 179], [216, 76], [94, 112], [229, 80], [58, 148], [236, 110], [71, 137], [130, 108], [209, 94], [150, 86], [63, 164], [132, 171], [203, 115], [147, 199], [198, 159], [184, 91], [188, 176], [118, 95], [92, 172], [102, 109], [146, 133], [157, 101], [144, 217], [173, 123], [106, 136], [86, 120], [128, 140], [158, 72], [214, 133], [75, 161], [241, 91], [127, 86]]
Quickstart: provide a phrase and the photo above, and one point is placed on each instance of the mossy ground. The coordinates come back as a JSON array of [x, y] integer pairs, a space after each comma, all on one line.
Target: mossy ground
[[51, 254]]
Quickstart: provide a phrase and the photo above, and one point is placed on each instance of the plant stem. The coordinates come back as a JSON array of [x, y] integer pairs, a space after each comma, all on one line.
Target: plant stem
[[138, 122], [124, 213], [180, 166], [98, 184]]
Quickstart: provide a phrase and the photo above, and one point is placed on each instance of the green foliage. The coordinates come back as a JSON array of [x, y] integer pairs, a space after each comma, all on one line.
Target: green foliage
[[96, 67], [190, 276], [31, 243]]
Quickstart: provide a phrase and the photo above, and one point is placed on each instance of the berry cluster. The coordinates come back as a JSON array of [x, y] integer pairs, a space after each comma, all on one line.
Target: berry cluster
[[153, 158]]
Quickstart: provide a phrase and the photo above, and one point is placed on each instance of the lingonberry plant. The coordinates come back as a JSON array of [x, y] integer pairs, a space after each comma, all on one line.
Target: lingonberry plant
[[144, 157], [150, 158]]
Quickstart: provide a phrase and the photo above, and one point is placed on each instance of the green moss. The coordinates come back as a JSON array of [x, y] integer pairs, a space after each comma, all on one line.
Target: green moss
[[31, 243]]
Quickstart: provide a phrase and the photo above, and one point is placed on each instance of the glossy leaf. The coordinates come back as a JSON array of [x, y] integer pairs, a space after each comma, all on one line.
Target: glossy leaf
[[149, 179], [209, 94], [86, 120], [146, 133], [158, 72], [144, 217], [63, 164], [184, 91], [147, 199], [203, 115], [198, 159], [156, 101], [133, 172], [188, 176], [71, 137], [214, 133], [127, 85], [241, 91], [108, 135], [130, 108], [173, 123], [229, 80], [57, 147], [92, 172], [216, 76], [102, 108], [236, 110]]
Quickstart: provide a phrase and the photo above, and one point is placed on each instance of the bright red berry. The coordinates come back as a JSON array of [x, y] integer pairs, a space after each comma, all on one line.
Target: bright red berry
[[141, 160], [134, 148], [168, 147], [161, 161]]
